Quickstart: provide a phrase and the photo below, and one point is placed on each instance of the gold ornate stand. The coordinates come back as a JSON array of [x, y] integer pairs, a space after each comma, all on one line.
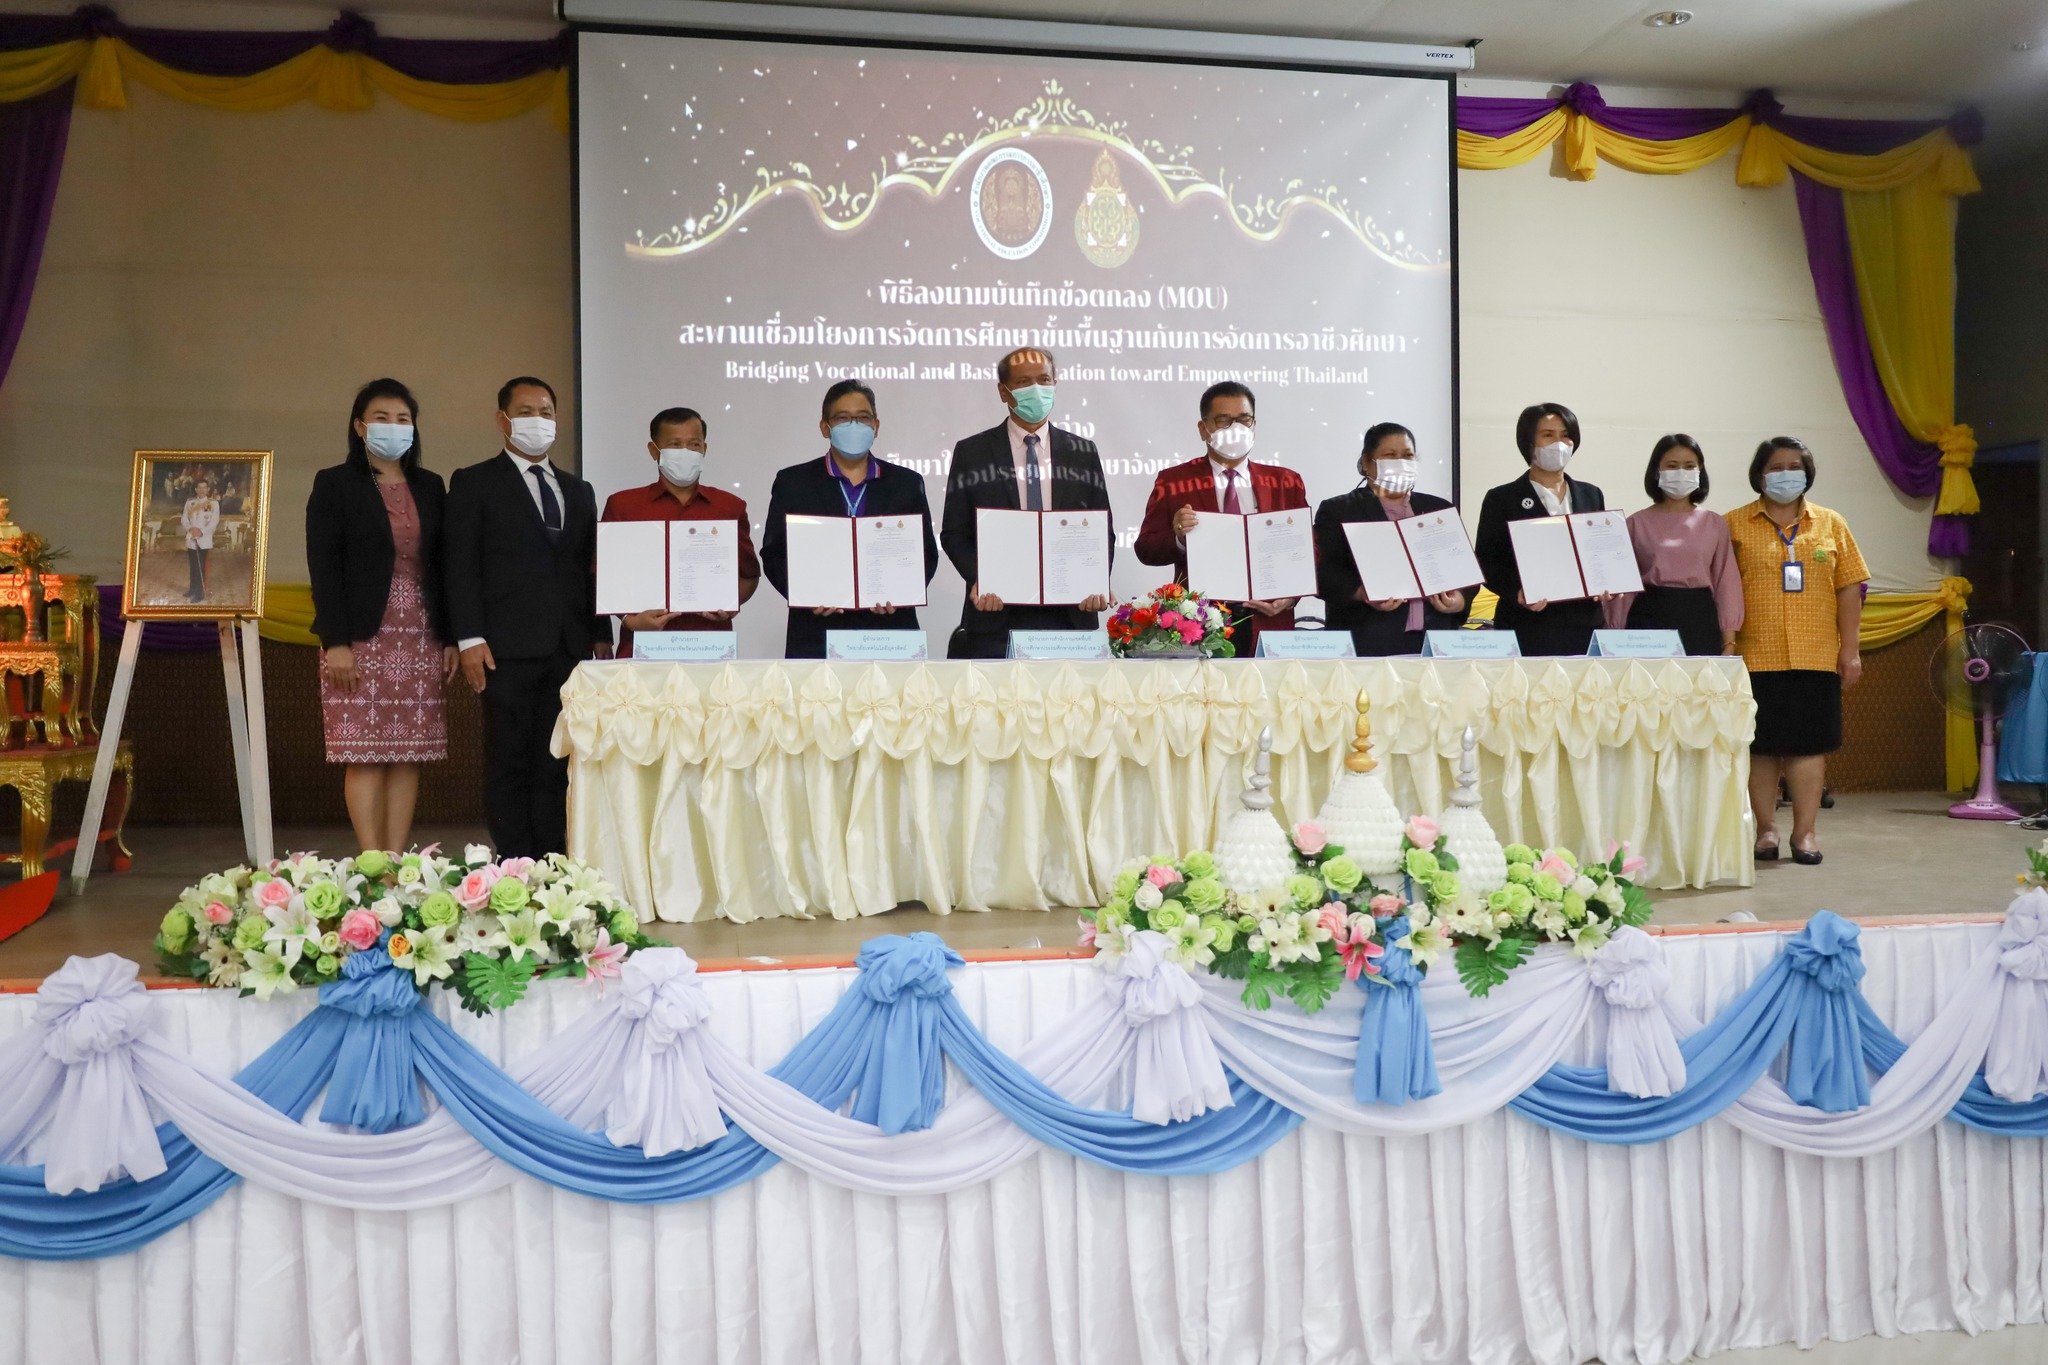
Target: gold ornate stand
[[35, 775]]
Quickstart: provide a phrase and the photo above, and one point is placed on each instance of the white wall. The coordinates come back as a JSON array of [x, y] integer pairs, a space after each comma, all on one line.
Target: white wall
[[1649, 304]]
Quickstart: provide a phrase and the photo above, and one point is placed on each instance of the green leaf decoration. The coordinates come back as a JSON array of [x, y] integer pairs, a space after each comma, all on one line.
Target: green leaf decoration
[[1234, 965], [1260, 983], [484, 983], [1446, 861], [1636, 907], [1482, 966], [1313, 985], [562, 969]]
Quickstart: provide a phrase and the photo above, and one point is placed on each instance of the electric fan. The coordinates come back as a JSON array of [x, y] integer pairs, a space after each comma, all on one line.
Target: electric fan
[[1977, 673]]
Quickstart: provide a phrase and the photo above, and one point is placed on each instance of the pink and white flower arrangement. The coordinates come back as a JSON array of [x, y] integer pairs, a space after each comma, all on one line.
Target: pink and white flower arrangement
[[1170, 620]]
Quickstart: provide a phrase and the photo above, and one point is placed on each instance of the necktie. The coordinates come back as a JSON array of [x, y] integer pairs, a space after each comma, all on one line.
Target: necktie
[[1230, 502], [1034, 493], [550, 505]]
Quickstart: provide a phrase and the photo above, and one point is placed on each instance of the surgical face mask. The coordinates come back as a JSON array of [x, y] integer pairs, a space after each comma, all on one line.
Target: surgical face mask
[[681, 465], [1231, 443], [1554, 456], [853, 438], [1032, 403], [387, 440], [531, 436], [1785, 485], [1395, 478], [1678, 483]]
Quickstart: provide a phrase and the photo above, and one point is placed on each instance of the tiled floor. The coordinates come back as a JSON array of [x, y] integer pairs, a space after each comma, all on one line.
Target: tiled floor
[[1885, 855]]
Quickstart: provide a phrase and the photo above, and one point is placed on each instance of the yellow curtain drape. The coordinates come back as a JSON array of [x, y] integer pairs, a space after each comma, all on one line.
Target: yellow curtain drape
[[288, 614], [345, 81], [1893, 616], [1586, 144], [1477, 153]]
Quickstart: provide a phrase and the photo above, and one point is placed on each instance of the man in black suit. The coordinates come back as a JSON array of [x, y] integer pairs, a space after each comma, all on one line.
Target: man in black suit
[[1029, 464], [520, 542], [847, 482]]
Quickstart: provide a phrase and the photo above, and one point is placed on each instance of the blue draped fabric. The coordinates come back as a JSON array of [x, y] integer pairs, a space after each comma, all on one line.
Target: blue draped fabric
[[374, 1088], [1978, 1108], [1824, 1062], [1396, 1061]]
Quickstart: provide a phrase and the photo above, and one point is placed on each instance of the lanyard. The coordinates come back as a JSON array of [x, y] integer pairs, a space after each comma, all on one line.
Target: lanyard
[[853, 504], [1788, 539]]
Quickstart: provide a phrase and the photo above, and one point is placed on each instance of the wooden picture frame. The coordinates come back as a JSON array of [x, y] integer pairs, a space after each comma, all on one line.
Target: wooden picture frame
[[198, 535]]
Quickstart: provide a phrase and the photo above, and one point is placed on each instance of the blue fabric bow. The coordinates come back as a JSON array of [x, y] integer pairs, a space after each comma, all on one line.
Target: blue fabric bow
[[1824, 1057], [374, 1087], [1396, 1061]]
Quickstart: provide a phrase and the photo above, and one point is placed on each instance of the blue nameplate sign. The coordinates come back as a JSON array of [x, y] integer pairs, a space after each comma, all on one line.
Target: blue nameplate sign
[[1059, 644], [1305, 644], [884, 645], [1636, 644], [1470, 644], [686, 646]]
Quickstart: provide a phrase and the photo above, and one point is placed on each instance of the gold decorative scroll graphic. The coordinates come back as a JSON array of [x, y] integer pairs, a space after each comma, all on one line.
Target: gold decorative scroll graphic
[[931, 167]]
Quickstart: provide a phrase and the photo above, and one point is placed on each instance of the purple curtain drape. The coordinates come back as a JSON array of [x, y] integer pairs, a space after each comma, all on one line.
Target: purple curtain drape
[[32, 137], [1492, 117], [178, 637]]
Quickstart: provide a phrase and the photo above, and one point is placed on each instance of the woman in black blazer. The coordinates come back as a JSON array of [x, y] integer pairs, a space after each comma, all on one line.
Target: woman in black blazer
[[1387, 464], [1548, 436], [373, 550]]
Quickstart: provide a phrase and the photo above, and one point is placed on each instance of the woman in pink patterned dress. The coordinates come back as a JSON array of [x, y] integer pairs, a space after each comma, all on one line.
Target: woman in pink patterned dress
[[373, 548]]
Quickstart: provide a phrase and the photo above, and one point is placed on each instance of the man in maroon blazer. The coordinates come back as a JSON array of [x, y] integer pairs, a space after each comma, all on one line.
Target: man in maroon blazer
[[1222, 479]]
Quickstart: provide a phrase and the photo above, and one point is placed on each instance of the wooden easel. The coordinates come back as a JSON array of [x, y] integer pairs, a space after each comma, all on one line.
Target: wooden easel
[[246, 727]]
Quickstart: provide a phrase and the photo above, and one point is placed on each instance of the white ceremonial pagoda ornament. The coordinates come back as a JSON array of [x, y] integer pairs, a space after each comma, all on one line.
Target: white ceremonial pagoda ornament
[[1482, 867], [1359, 815], [1253, 853]]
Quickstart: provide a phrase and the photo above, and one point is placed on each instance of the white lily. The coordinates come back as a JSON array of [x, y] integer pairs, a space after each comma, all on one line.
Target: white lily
[[268, 974]]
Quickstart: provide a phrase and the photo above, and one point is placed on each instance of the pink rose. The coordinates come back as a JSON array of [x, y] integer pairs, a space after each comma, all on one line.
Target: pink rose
[[272, 895], [1161, 876], [1333, 919], [1170, 619], [217, 913], [474, 893], [1558, 868], [1191, 632], [1631, 866], [1310, 838], [1422, 831], [515, 867], [359, 928], [1385, 906]]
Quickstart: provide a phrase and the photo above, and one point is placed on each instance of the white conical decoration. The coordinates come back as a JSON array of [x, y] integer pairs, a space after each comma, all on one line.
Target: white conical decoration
[[1252, 853], [1360, 816], [1481, 865]]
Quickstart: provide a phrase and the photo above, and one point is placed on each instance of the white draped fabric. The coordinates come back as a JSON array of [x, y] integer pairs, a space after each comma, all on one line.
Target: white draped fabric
[[755, 789], [1491, 1240]]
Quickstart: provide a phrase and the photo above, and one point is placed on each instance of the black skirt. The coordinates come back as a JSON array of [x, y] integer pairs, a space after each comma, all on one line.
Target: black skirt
[[1689, 611], [1561, 629], [1798, 712]]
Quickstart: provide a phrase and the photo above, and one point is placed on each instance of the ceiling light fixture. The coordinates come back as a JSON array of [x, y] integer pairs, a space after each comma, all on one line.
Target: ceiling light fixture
[[2023, 45], [1670, 18]]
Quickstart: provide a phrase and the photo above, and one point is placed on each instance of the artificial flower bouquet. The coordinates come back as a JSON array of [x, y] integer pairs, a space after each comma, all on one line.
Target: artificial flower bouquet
[[481, 927], [1550, 897], [2037, 867], [1169, 621]]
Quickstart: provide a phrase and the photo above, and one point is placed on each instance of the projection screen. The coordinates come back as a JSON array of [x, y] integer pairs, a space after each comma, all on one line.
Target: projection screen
[[759, 218]]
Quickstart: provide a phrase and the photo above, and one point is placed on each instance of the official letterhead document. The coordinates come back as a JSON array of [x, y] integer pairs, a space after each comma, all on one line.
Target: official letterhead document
[[1607, 557], [1074, 554], [889, 560], [631, 567], [1281, 547], [1440, 551], [1006, 555], [1382, 560], [820, 562], [1548, 560], [1219, 563], [703, 565]]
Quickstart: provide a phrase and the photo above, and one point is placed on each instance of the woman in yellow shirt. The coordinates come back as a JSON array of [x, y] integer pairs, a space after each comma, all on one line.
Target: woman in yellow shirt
[[1802, 590]]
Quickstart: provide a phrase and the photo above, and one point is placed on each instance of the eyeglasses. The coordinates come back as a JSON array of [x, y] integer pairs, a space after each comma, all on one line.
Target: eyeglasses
[[1246, 419]]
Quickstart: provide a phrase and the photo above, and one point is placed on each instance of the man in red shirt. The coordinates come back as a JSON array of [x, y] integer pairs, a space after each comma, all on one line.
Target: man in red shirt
[[677, 442], [1221, 479]]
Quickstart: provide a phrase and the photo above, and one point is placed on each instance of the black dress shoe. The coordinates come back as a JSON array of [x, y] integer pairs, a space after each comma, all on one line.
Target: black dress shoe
[[1767, 855], [1806, 857]]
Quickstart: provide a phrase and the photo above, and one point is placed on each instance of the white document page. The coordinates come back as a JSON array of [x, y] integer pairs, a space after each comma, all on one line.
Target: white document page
[[1218, 563], [820, 561], [1076, 556], [889, 560], [631, 575], [1282, 549], [1607, 557], [1548, 560], [703, 566], [1006, 555], [1441, 551], [1382, 560]]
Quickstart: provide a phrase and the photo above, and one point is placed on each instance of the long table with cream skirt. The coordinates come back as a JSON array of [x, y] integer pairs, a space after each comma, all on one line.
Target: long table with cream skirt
[[757, 789], [1498, 1241]]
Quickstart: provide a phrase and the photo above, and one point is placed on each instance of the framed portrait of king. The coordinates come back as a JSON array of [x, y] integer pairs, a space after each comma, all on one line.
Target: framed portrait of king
[[198, 535]]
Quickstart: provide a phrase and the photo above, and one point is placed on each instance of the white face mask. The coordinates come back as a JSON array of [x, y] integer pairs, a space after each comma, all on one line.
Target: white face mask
[[1395, 478], [387, 440], [1554, 456], [1231, 443], [681, 465], [1678, 483], [531, 436]]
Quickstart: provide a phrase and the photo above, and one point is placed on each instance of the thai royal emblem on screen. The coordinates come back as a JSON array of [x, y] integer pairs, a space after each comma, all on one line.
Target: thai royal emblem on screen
[[1011, 201], [1106, 224]]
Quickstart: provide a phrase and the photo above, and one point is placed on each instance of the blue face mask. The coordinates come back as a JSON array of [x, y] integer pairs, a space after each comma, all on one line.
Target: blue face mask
[[853, 438], [387, 440], [1785, 485], [1032, 403]]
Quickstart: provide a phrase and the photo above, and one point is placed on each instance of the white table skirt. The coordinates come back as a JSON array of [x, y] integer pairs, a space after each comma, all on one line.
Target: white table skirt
[[757, 789], [1495, 1242]]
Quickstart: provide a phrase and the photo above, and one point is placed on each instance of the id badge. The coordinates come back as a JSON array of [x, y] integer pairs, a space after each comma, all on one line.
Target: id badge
[[1795, 576]]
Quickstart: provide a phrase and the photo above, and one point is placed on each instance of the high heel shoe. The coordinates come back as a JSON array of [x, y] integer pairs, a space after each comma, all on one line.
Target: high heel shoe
[[1766, 855], [1806, 857]]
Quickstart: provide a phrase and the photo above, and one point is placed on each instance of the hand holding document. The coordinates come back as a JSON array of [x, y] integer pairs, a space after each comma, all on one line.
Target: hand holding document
[[1607, 557], [1382, 560], [1281, 550], [1219, 558], [1547, 559], [679, 566]]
